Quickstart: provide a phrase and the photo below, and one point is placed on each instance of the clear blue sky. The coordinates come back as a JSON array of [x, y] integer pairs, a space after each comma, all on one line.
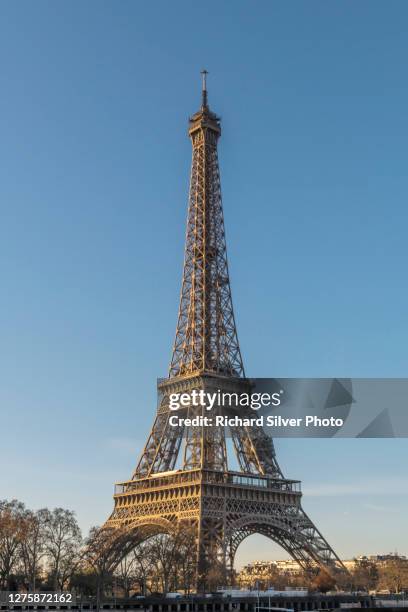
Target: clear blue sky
[[94, 166]]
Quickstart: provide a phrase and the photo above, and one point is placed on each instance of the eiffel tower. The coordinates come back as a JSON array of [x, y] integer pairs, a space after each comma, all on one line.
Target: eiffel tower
[[183, 476]]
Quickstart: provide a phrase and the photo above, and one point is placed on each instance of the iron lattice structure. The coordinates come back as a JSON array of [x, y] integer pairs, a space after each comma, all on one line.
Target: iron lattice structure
[[206, 337], [182, 478]]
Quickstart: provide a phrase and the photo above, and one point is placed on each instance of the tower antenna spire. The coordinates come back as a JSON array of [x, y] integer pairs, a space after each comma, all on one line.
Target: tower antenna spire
[[204, 88]]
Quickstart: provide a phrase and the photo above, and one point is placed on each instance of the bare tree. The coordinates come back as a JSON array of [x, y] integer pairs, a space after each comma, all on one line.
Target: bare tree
[[62, 543], [186, 555], [125, 574], [167, 562], [323, 581], [365, 575], [142, 566], [104, 548], [12, 532], [33, 546], [393, 576], [164, 556]]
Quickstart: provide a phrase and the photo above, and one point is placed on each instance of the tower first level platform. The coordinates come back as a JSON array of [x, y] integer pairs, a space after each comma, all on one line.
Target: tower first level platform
[[222, 509]]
